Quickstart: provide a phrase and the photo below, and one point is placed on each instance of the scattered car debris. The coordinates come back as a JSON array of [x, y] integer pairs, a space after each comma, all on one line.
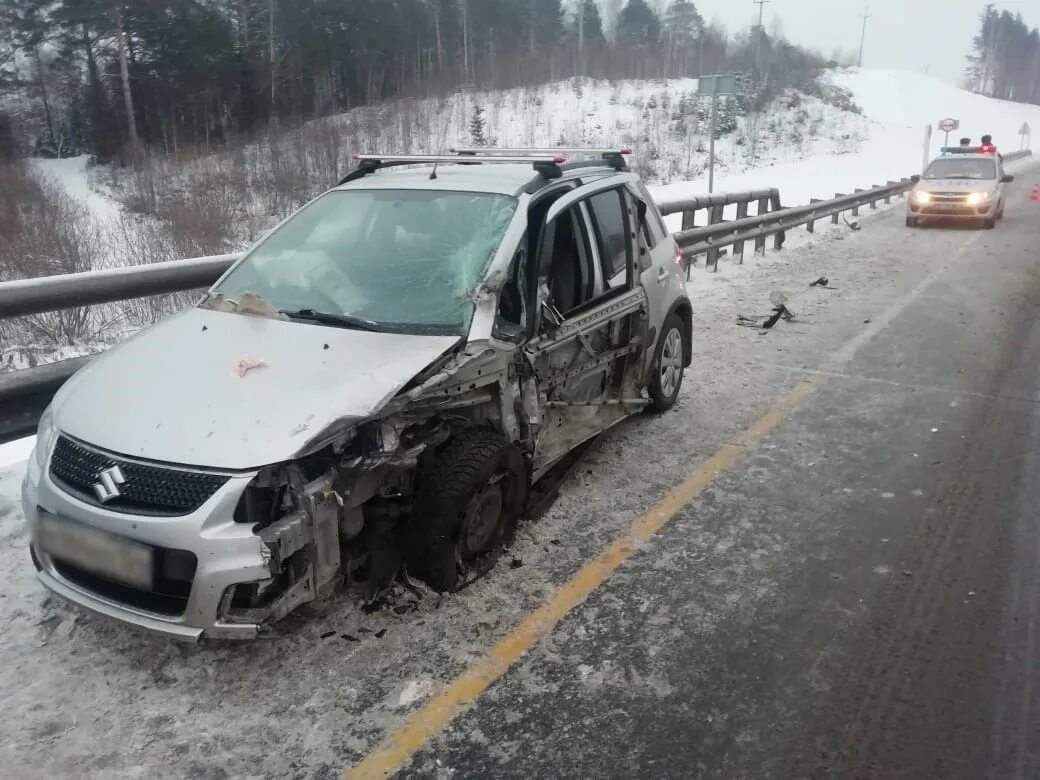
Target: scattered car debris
[[327, 634], [245, 365], [380, 633], [349, 638], [516, 563], [779, 312], [823, 281]]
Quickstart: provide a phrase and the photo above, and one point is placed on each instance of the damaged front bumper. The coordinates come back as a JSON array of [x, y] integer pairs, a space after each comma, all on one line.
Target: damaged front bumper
[[200, 560]]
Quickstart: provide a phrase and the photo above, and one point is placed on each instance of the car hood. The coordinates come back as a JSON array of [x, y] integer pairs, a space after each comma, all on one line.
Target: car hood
[[957, 185], [230, 391]]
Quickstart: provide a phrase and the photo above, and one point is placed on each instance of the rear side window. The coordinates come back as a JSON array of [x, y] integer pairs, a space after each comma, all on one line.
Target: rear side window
[[608, 212]]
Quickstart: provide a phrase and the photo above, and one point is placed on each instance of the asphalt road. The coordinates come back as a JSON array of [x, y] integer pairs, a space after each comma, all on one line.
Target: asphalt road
[[851, 590]]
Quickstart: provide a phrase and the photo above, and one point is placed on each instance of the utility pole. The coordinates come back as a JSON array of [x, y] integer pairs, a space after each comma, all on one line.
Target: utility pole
[[758, 75], [761, 31], [863, 35], [581, 38]]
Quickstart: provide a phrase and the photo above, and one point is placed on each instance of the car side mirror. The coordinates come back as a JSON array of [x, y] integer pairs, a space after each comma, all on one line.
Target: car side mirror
[[915, 178], [1007, 178]]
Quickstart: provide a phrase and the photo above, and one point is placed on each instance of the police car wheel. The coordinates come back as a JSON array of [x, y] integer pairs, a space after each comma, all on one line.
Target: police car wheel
[[989, 224], [911, 221]]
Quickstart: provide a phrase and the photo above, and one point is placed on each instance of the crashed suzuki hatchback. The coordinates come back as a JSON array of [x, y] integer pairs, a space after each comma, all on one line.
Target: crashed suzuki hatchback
[[373, 388]]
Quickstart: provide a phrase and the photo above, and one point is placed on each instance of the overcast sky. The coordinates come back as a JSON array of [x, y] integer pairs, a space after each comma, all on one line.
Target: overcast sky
[[907, 34]]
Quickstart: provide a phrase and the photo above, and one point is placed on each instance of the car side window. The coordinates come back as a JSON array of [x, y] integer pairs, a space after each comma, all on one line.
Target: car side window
[[610, 213]]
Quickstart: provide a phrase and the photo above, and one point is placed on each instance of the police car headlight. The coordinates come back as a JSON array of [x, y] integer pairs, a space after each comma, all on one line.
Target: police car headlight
[[922, 197], [978, 197], [46, 433]]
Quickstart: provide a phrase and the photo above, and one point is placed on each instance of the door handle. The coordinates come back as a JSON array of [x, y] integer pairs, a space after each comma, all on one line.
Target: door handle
[[663, 274]]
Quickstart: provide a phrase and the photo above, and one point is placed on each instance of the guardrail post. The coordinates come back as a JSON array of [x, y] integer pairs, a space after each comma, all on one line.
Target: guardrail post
[[714, 218], [780, 236], [855, 209], [873, 203], [888, 197], [738, 247], [760, 241], [689, 219], [811, 224], [836, 215]]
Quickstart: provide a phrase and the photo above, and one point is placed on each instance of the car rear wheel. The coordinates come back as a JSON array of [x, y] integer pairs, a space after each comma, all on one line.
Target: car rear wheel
[[669, 364], [466, 509]]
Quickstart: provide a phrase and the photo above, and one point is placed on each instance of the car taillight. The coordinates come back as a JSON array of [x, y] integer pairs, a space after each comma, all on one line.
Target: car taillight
[[679, 259]]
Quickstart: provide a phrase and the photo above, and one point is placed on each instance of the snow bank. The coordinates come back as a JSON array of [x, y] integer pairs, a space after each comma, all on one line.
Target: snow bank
[[73, 176]]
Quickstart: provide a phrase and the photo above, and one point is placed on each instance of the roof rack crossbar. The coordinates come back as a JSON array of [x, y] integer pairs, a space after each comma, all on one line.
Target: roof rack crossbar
[[546, 164], [612, 157]]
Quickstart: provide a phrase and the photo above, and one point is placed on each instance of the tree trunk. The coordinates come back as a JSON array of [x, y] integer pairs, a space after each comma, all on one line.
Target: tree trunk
[[465, 40], [42, 84], [124, 71], [272, 57], [440, 42]]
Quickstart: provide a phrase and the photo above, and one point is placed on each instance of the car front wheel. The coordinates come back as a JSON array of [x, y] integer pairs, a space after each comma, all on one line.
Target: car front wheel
[[669, 364], [466, 509]]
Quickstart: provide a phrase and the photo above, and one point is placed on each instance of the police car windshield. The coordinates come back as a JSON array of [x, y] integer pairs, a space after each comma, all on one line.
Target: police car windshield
[[962, 168]]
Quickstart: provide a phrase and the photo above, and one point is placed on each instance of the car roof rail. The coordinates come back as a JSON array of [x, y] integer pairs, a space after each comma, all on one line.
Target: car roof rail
[[546, 163], [612, 157]]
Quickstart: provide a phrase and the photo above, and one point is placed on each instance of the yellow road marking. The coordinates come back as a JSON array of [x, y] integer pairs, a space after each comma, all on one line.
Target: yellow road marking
[[457, 697]]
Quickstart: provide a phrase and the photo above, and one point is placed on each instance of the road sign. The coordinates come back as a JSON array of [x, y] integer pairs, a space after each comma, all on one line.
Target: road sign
[[949, 125], [715, 87], [712, 86]]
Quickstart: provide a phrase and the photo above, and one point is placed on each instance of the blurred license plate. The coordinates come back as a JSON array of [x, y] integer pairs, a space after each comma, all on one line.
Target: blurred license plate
[[101, 553], [948, 206]]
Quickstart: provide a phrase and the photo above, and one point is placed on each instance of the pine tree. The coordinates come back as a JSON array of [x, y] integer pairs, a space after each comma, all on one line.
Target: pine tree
[[637, 25], [478, 127]]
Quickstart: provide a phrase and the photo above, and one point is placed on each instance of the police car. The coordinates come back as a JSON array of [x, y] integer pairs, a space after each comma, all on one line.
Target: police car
[[964, 184]]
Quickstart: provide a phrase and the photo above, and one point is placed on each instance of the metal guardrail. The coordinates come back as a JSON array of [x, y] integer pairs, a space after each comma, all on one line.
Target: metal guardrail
[[1020, 155], [772, 218], [715, 205], [25, 394]]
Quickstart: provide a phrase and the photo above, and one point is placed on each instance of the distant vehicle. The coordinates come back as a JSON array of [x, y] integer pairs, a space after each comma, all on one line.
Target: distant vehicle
[[376, 384], [964, 184]]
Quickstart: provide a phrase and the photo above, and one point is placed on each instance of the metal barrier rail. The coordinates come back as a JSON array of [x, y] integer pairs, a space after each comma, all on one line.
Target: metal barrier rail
[[715, 205], [711, 238]]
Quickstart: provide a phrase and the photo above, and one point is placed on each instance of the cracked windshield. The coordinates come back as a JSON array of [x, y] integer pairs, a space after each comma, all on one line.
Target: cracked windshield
[[395, 258], [520, 389]]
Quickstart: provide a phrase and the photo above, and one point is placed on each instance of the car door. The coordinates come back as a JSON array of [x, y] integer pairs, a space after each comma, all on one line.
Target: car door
[[585, 353]]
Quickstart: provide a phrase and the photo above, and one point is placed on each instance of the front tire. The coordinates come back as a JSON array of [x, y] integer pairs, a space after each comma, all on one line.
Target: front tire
[[669, 364], [911, 221], [989, 223], [466, 509]]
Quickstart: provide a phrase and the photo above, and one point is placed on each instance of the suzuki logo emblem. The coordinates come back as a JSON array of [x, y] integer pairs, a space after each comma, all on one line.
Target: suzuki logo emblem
[[108, 484]]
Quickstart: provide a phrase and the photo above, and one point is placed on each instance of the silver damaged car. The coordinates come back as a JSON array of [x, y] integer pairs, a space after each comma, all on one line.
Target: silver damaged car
[[372, 389]]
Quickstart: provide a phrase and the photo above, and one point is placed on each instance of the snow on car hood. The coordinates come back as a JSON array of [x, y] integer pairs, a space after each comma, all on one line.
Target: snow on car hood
[[230, 391]]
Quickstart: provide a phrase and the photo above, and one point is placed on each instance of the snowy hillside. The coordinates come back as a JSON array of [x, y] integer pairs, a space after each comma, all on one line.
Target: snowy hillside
[[898, 104], [663, 120]]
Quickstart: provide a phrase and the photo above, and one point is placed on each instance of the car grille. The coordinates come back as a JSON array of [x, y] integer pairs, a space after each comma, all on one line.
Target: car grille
[[174, 574], [150, 490]]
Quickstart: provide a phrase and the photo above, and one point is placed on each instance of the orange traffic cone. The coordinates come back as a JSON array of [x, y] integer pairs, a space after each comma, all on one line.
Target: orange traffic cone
[[1035, 194]]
